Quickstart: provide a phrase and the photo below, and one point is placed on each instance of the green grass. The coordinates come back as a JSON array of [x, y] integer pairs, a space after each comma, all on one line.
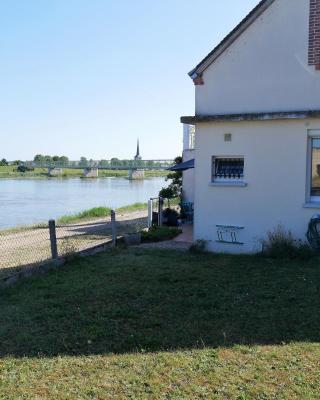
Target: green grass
[[132, 208], [159, 234], [95, 212], [99, 212], [11, 172], [151, 324]]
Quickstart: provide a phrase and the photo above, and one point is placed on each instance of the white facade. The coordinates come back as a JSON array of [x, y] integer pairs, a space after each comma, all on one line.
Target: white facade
[[275, 189], [188, 154], [264, 70]]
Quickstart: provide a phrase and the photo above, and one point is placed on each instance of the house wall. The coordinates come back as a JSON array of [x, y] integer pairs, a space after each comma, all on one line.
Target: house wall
[[275, 155], [187, 154], [188, 178], [266, 68]]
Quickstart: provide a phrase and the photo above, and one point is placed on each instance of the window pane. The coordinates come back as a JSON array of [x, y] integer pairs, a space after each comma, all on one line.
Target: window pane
[[228, 168], [315, 187]]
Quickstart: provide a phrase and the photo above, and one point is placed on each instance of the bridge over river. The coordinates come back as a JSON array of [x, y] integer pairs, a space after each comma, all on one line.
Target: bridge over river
[[91, 168]]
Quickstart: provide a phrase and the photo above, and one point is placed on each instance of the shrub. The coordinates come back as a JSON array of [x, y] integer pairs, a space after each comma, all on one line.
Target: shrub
[[280, 243], [170, 217], [158, 234], [199, 246]]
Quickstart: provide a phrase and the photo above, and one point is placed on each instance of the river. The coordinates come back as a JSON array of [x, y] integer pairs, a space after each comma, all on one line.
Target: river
[[29, 201]]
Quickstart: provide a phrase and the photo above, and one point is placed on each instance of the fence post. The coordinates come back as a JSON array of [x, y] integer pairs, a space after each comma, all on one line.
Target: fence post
[[53, 239], [113, 228], [160, 207], [150, 209]]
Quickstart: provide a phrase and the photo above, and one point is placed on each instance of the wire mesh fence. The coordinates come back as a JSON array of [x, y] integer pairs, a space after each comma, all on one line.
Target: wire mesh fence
[[23, 248]]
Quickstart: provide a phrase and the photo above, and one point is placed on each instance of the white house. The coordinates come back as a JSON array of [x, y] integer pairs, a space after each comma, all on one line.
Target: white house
[[187, 156], [257, 119]]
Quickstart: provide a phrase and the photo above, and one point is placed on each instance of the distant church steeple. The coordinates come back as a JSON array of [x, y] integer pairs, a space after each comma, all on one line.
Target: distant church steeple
[[137, 156]]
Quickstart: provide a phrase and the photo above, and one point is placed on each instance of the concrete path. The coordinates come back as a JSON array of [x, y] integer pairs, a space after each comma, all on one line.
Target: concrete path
[[181, 242]]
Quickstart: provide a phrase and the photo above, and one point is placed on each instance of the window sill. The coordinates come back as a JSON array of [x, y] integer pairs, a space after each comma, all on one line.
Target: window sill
[[228, 184], [312, 204]]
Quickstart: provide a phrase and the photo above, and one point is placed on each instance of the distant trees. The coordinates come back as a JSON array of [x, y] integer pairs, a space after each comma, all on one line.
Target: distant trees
[[3, 162], [63, 161], [83, 162], [45, 159], [104, 163]]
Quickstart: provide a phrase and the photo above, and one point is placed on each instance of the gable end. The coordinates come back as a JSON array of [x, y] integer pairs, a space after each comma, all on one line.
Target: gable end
[[196, 73]]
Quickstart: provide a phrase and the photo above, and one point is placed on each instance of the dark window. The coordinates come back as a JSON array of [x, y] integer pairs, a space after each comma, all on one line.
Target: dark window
[[315, 167], [228, 168]]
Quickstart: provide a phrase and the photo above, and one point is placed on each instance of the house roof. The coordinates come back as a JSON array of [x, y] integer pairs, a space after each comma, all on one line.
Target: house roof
[[265, 116], [182, 166], [230, 38]]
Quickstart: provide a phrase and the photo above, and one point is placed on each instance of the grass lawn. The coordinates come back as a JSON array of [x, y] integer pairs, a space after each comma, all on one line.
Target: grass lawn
[[151, 324]]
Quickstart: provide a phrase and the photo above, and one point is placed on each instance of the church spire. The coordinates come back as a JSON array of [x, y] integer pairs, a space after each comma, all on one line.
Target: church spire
[[137, 156]]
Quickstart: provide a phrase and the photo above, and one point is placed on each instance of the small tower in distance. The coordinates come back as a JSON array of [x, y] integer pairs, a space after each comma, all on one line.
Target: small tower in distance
[[137, 157]]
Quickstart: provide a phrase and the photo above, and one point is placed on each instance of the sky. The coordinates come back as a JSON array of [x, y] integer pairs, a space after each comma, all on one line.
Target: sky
[[89, 77]]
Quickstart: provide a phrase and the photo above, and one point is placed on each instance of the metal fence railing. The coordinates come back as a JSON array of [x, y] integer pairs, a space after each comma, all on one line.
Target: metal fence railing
[[24, 248]]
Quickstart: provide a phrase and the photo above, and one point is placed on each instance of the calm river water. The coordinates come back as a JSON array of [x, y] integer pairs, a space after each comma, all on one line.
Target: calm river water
[[28, 201]]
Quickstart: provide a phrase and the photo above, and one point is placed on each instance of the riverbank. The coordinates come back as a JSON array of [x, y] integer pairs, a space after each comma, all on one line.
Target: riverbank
[[30, 245], [92, 215], [10, 171]]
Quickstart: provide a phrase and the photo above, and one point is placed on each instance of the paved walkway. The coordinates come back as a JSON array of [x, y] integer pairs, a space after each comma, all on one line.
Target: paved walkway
[[181, 242]]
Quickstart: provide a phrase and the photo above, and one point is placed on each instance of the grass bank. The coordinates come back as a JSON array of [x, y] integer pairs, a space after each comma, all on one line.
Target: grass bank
[[99, 212], [150, 324], [11, 172]]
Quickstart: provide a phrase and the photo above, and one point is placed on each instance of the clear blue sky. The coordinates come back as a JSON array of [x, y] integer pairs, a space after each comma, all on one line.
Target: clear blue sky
[[87, 77]]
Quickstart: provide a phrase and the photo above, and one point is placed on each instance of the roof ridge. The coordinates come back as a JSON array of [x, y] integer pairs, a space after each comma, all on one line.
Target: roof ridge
[[230, 38]]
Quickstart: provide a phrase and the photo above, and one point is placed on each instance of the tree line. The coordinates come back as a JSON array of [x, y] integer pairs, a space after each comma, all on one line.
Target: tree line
[[61, 161]]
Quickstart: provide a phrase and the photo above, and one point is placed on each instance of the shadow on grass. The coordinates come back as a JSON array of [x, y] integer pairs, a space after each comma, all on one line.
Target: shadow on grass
[[151, 300]]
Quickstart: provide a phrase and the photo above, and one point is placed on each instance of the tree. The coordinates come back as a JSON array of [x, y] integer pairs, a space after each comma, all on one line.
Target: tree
[[103, 163], [63, 160], [175, 187], [83, 162], [48, 159], [39, 158], [4, 162]]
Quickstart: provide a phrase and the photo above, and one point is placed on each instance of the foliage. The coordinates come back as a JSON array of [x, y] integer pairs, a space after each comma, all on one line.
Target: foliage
[[24, 168], [146, 324], [41, 159], [280, 243], [170, 217], [11, 172], [159, 234], [199, 246], [4, 162], [175, 187]]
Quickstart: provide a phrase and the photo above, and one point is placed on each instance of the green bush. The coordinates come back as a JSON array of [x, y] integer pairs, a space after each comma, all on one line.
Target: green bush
[[158, 234], [280, 243], [199, 246]]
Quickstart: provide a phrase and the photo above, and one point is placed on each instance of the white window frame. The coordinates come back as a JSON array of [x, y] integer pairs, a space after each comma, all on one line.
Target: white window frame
[[192, 134], [230, 181], [312, 134]]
